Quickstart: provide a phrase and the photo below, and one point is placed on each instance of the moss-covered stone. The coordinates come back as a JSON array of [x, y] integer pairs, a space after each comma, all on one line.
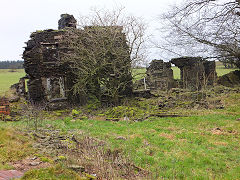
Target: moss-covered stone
[[231, 79]]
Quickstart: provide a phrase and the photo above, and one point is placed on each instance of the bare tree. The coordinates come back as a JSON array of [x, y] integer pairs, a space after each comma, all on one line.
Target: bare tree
[[209, 27], [133, 27], [102, 52]]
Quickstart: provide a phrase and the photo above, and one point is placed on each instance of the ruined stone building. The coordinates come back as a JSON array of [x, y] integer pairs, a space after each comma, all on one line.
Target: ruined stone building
[[50, 79], [159, 75], [195, 72]]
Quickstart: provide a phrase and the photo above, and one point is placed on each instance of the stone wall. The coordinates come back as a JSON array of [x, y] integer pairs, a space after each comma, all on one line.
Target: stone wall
[[159, 75], [196, 73], [210, 72], [42, 63]]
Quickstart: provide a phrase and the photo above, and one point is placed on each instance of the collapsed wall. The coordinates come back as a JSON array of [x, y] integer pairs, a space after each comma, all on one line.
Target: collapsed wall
[[159, 75], [196, 73]]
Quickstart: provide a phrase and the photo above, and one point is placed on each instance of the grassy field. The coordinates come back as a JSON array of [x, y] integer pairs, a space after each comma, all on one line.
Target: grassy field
[[204, 145], [14, 146], [8, 78], [175, 148]]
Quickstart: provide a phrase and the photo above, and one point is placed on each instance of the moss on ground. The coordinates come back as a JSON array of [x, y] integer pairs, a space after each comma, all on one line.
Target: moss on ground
[[55, 172]]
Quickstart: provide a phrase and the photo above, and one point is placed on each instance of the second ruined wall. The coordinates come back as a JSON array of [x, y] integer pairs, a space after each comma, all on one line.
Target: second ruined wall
[[196, 73], [160, 75]]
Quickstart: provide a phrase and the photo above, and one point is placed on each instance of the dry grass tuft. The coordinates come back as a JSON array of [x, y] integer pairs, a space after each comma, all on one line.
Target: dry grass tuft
[[14, 145], [168, 136], [98, 158]]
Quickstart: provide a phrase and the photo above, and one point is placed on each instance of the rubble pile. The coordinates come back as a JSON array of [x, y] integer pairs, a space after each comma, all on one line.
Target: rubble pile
[[231, 79]]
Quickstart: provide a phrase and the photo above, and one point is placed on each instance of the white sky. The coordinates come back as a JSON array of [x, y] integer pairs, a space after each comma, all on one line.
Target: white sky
[[18, 18]]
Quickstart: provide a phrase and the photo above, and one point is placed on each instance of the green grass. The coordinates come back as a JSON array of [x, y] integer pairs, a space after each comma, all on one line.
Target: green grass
[[9, 78], [174, 148], [176, 72], [221, 72], [181, 148], [57, 172], [138, 73], [205, 146]]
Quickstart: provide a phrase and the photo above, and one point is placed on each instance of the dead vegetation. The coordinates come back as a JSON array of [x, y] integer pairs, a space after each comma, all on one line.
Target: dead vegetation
[[86, 154]]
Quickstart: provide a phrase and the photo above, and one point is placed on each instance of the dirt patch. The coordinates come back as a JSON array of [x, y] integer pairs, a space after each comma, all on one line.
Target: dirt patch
[[29, 163], [220, 143], [99, 118], [10, 174], [133, 136], [98, 158], [172, 129], [218, 131], [168, 136]]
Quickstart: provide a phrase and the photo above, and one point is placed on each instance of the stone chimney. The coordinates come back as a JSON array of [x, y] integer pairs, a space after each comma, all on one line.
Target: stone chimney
[[67, 21]]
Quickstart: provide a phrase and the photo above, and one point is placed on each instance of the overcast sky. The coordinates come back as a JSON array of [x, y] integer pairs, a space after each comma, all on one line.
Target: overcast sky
[[18, 18]]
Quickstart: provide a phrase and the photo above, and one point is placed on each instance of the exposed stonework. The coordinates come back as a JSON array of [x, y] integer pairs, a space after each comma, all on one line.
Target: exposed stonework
[[160, 75], [195, 72], [210, 72], [43, 66]]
